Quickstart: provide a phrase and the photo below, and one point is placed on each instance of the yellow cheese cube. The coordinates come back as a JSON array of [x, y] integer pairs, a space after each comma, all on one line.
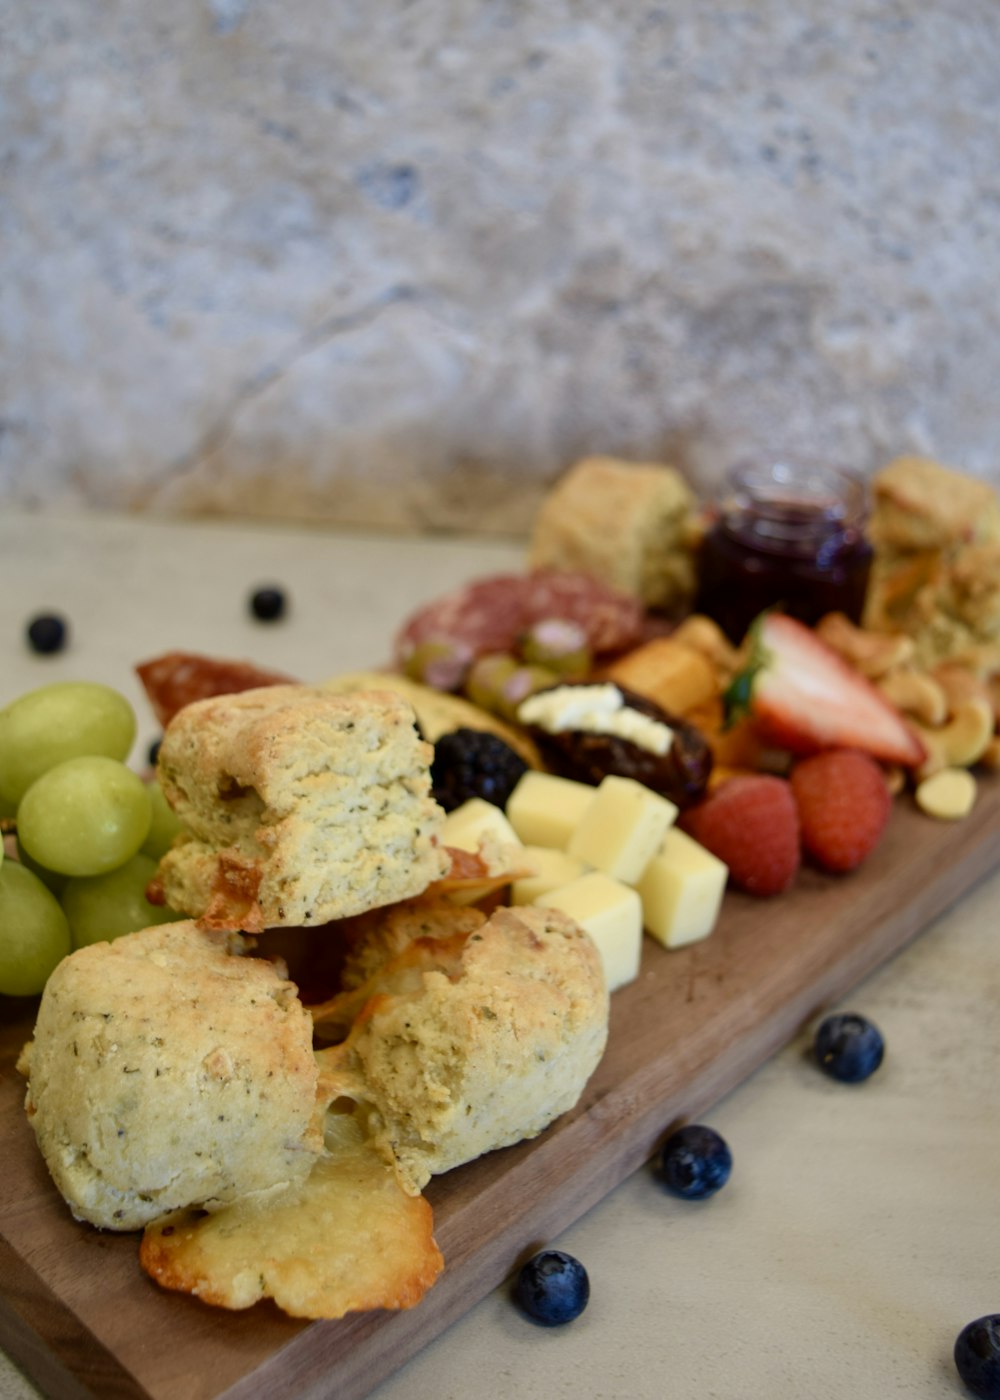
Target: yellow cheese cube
[[552, 869], [545, 810], [681, 891], [612, 914], [622, 829], [467, 826]]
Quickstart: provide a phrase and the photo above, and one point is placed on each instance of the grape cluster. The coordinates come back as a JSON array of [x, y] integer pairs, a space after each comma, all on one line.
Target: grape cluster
[[87, 832], [549, 652]]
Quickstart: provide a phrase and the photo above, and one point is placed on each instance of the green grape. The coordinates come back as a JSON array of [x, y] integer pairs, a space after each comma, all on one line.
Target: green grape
[[69, 719], [34, 934], [49, 878], [165, 824], [85, 816], [103, 907]]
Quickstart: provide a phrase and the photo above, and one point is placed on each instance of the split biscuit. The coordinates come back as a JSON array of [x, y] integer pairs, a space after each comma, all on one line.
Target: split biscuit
[[300, 806], [471, 1042]]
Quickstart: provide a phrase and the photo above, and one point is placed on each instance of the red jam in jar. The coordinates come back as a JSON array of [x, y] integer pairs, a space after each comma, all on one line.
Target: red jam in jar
[[790, 535]]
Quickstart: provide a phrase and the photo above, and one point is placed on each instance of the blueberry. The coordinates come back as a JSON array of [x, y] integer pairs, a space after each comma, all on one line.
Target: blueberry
[[552, 1288], [977, 1356], [695, 1162], [268, 604], [46, 633], [154, 752], [849, 1048]]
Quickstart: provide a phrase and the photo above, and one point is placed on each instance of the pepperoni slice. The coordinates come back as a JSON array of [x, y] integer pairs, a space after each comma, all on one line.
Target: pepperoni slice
[[490, 614], [178, 678]]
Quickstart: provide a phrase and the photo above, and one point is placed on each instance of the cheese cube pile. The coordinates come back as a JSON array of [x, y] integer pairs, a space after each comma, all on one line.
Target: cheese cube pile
[[610, 857]]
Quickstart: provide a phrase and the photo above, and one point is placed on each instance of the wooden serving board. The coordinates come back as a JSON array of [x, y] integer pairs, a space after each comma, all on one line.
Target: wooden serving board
[[78, 1315]]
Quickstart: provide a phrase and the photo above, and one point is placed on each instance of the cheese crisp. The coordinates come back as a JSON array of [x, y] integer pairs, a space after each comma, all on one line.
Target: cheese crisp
[[346, 1239], [300, 807]]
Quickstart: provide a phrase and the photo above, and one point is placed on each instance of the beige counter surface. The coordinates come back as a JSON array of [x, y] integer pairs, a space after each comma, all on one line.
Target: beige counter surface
[[861, 1226]]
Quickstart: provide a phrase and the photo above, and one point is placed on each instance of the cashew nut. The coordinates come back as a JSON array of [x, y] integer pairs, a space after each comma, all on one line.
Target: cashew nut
[[948, 795], [895, 778], [959, 743], [872, 653], [915, 694], [990, 756], [959, 684]]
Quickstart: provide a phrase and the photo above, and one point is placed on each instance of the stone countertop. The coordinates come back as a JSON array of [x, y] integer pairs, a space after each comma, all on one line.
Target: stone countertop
[[859, 1231]]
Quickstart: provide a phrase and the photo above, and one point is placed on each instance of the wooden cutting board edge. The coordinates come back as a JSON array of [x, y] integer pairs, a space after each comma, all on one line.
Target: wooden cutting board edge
[[617, 1127]]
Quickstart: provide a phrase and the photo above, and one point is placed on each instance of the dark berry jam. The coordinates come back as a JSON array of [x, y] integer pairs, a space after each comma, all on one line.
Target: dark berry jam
[[788, 536]]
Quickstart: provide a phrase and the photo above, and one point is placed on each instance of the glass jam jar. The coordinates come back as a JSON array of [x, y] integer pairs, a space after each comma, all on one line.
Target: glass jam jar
[[789, 534]]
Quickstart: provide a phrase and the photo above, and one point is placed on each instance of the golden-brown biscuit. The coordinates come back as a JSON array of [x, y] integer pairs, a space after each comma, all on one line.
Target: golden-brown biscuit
[[936, 572], [167, 1071], [629, 524], [918, 504], [300, 806], [468, 1043]]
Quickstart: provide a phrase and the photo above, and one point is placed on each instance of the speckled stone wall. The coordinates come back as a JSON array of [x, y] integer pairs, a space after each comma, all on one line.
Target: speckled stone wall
[[401, 263]]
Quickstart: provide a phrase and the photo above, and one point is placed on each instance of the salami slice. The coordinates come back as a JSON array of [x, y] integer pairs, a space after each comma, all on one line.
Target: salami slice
[[489, 614], [485, 615], [612, 620], [178, 678]]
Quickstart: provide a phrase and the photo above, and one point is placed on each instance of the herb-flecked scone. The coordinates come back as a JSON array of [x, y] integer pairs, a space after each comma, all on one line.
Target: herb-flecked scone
[[630, 524], [474, 1041], [936, 572], [300, 806], [168, 1070]]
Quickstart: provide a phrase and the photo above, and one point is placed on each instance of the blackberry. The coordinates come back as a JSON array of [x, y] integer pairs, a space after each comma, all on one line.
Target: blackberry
[[471, 763]]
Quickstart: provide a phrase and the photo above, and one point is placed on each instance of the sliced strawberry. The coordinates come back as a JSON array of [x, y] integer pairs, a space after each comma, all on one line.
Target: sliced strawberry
[[844, 806], [805, 697], [752, 824]]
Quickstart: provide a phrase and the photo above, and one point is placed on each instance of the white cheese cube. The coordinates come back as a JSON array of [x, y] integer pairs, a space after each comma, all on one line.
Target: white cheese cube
[[552, 869], [476, 820], [681, 891], [545, 810], [622, 829], [612, 914]]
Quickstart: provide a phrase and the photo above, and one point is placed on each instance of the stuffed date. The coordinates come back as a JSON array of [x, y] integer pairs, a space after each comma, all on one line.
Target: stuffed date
[[586, 732]]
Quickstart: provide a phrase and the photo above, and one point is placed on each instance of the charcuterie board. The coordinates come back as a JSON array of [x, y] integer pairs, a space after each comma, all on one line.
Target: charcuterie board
[[81, 1319]]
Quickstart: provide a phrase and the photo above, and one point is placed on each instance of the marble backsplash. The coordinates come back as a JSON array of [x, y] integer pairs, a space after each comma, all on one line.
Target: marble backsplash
[[399, 264]]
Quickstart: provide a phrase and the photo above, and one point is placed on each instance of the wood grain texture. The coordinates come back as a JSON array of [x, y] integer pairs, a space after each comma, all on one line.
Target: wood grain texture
[[77, 1311]]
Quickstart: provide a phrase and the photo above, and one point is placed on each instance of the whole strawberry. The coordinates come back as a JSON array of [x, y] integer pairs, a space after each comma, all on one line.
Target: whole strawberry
[[844, 805], [751, 823]]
